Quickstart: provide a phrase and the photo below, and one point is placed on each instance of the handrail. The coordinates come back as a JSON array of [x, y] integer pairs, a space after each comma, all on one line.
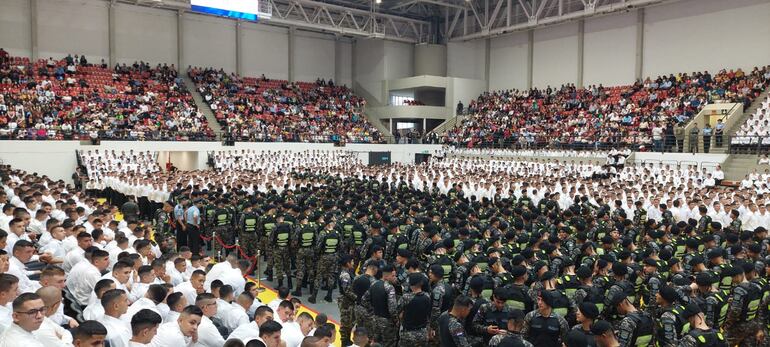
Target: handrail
[[748, 144]]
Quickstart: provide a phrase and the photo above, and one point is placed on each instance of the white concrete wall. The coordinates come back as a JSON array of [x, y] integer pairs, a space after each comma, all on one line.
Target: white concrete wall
[[264, 51], [697, 35], [430, 60], [609, 53], [155, 43], [71, 26], [466, 59], [508, 62], [15, 23], [209, 41], [313, 56], [57, 159], [683, 36], [555, 58], [344, 66], [378, 61]]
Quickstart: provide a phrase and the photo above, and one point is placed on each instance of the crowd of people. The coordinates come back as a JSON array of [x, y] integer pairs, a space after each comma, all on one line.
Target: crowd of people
[[71, 98], [456, 251], [265, 110], [755, 133], [599, 117]]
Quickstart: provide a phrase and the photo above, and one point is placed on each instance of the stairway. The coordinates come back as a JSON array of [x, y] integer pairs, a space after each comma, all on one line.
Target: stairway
[[737, 125], [448, 124], [203, 107], [739, 165]]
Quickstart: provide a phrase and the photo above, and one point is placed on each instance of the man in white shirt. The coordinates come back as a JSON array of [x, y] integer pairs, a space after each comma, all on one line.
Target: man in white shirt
[[50, 333], [28, 314], [77, 255], [90, 333], [208, 334], [283, 294], [155, 294], [95, 311], [83, 277], [54, 246], [9, 290], [23, 252], [250, 331], [192, 288], [182, 332], [144, 327], [115, 303], [294, 333], [236, 315]]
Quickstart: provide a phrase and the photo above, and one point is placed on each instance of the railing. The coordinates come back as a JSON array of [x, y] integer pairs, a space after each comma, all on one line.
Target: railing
[[748, 144], [668, 144], [708, 165]]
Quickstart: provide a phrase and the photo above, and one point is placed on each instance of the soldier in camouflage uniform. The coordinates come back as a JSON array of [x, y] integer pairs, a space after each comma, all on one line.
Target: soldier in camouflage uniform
[[280, 240], [741, 325], [414, 307], [382, 304], [267, 223], [700, 334], [441, 299], [327, 247], [513, 331], [249, 238], [304, 240], [637, 327], [450, 330], [346, 300], [491, 317]]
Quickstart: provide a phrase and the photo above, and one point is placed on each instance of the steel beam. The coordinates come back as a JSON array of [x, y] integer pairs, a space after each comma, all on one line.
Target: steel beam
[[567, 16]]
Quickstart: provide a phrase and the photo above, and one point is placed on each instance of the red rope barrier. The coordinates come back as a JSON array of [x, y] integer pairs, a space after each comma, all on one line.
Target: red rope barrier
[[240, 250]]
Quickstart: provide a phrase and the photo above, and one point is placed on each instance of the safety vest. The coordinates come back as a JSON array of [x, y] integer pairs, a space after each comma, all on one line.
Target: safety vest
[[358, 237], [544, 331], [751, 302], [518, 298], [643, 335], [595, 295], [307, 236], [222, 218], [711, 338], [568, 284], [720, 308], [495, 317], [681, 325], [249, 223], [282, 235], [561, 305], [331, 242]]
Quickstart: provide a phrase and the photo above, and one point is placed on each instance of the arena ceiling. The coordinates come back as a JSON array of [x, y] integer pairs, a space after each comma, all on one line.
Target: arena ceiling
[[426, 21]]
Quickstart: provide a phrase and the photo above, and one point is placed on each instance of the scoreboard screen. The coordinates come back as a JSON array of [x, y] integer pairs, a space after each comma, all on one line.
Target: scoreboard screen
[[239, 9]]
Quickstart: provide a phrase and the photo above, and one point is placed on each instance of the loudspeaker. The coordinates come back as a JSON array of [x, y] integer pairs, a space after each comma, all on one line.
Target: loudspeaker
[[379, 158]]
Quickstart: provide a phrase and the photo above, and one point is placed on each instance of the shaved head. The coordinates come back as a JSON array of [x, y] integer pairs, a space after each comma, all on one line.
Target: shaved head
[[50, 295]]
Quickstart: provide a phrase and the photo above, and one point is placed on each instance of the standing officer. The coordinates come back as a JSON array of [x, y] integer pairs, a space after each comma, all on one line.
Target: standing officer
[[414, 308], [451, 332], [544, 327], [280, 240], [267, 223], [192, 219], [247, 228], [700, 334], [304, 239], [327, 247], [741, 324], [380, 300], [637, 327], [347, 299]]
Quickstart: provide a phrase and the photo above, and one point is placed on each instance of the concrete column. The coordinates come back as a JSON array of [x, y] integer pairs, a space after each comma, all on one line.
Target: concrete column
[[111, 34], [34, 54], [424, 125], [487, 60], [639, 72], [292, 32], [353, 62], [390, 125], [580, 62], [337, 59], [180, 42], [238, 48], [530, 56]]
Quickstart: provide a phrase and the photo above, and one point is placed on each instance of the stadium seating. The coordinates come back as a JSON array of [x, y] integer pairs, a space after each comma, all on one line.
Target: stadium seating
[[755, 132], [67, 99], [598, 116], [260, 109]]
